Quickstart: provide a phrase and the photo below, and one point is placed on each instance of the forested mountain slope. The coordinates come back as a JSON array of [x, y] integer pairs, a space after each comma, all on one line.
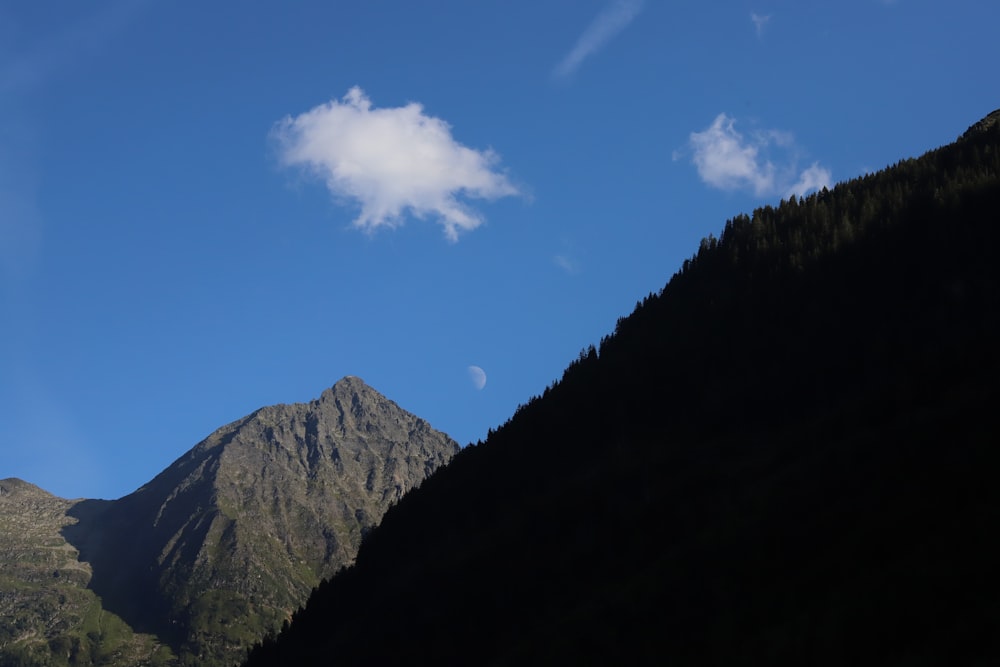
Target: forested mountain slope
[[786, 456]]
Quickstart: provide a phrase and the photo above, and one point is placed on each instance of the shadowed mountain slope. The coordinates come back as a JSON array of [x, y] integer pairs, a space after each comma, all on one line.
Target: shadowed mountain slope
[[221, 546], [48, 616], [786, 456]]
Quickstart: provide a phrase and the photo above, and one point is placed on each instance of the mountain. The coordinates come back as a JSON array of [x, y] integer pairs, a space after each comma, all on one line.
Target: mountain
[[220, 547], [48, 615], [786, 456]]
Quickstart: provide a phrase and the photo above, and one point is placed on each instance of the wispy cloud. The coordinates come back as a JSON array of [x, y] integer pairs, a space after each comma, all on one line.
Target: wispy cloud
[[567, 264], [64, 49], [26, 66], [601, 30], [727, 160], [759, 21], [391, 161]]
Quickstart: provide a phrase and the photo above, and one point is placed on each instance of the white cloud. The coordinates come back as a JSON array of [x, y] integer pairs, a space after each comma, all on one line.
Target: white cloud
[[813, 178], [759, 21], [727, 160], [391, 161], [601, 30]]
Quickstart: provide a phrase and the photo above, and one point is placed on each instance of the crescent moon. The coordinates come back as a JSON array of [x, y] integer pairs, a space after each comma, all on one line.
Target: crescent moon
[[478, 377]]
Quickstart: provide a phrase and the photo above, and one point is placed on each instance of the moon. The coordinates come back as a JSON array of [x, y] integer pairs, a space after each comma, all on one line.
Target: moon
[[478, 377]]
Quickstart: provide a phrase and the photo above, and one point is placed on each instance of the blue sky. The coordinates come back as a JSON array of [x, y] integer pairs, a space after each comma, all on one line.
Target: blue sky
[[206, 208]]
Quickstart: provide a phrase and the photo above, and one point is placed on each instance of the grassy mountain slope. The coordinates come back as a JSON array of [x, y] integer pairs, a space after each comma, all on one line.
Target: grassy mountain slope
[[220, 547], [787, 456], [49, 614]]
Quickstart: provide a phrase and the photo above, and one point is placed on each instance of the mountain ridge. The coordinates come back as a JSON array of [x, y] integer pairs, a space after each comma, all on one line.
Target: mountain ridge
[[227, 540]]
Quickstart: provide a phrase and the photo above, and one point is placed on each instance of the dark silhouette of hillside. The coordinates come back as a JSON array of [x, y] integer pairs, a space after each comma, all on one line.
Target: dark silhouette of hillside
[[785, 457]]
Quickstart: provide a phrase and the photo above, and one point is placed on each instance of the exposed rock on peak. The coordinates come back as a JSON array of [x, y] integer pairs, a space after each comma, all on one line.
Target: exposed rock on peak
[[990, 121], [14, 486]]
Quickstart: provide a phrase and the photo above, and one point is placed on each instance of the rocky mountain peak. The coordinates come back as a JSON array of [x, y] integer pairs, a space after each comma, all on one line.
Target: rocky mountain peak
[[242, 526], [353, 391]]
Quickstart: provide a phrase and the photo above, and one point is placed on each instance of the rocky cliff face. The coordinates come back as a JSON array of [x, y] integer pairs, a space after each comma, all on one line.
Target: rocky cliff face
[[225, 543]]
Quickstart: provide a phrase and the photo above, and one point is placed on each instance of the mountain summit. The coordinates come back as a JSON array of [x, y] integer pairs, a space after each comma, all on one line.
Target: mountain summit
[[220, 547]]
